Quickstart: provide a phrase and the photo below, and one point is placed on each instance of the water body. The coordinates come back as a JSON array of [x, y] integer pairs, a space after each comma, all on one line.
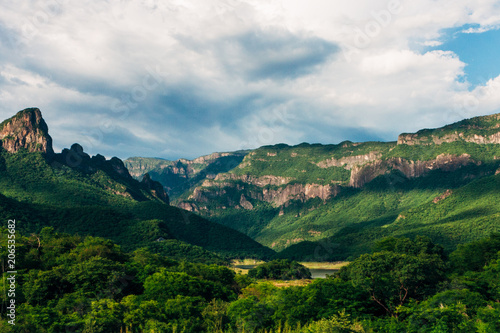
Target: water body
[[321, 273]]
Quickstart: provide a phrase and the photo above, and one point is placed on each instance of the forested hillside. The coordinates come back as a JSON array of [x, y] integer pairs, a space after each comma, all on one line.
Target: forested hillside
[[71, 283], [442, 183], [84, 195]]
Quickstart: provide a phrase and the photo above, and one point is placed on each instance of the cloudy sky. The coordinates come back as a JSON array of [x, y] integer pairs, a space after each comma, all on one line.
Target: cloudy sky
[[184, 78]]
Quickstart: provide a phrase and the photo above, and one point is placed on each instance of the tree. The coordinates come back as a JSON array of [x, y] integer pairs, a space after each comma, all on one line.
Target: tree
[[475, 255], [165, 285], [280, 269], [392, 279]]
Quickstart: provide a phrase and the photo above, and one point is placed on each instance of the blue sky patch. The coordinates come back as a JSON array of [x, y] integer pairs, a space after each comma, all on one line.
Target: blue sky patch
[[480, 51]]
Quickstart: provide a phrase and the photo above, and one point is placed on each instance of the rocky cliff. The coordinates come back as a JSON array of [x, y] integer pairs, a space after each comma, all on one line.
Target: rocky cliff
[[361, 175], [26, 130], [239, 195], [156, 188], [349, 162], [280, 174], [479, 130], [179, 176]]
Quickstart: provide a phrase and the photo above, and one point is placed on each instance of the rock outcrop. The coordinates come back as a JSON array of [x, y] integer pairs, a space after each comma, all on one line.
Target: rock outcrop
[[26, 130], [417, 139], [250, 179], [443, 196], [479, 130], [155, 187], [178, 176], [360, 175], [277, 196], [350, 162]]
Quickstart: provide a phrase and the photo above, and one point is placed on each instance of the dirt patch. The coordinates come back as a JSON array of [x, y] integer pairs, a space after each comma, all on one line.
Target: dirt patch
[[443, 196]]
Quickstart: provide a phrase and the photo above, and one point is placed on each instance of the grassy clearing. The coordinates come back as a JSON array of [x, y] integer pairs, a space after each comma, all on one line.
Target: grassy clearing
[[289, 283], [325, 265], [246, 262]]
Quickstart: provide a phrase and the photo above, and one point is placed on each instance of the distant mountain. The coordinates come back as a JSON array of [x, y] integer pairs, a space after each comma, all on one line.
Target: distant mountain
[[341, 197], [77, 193], [181, 175]]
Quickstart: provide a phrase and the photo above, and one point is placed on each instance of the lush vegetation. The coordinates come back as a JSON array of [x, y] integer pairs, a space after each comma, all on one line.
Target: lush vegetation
[[485, 125], [452, 205], [280, 269], [345, 226], [469, 213], [71, 283], [181, 175], [300, 162], [101, 203]]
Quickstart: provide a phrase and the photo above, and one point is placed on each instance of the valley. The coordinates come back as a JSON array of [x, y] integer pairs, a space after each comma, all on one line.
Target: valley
[[354, 237], [330, 202]]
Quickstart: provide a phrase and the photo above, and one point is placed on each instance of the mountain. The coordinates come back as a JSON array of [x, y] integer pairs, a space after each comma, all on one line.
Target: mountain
[[90, 195], [336, 199], [26, 130], [181, 175]]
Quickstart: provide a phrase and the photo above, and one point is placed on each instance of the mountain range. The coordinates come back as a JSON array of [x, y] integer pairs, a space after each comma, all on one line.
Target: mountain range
[[79, 194], [330, 202], [308, 202]]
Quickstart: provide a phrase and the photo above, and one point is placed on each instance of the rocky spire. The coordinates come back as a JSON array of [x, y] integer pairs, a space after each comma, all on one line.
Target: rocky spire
[[156, 188], [26, 130]]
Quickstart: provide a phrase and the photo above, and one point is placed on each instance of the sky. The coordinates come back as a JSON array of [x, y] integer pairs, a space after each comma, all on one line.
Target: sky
[[185, 78]]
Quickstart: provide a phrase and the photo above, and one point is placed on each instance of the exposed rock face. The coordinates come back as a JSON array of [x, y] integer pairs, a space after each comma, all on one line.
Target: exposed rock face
[[26, 130], [278, 196], [350, 162], [416, 139], [442, 196], [178, 176], [155, 187], [119, 167], [245, 203], [301, 192], [189, 206], [411, 169], [249, 179], [479, 130], [76, 158]]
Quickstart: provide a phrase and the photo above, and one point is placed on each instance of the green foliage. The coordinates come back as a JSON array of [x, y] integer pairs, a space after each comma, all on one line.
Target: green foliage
[[340, 323], [393, 278], [181, 175], [88, 284], [351, 224], [475, 255], [41, 193], [166, 285], [280, 269]]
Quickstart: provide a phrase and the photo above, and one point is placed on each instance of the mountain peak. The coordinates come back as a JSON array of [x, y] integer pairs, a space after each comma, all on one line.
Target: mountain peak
[[26, 130]]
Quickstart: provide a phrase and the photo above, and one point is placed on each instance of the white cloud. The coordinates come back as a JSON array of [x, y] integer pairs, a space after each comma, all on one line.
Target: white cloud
[[183, 77], [431, 43]]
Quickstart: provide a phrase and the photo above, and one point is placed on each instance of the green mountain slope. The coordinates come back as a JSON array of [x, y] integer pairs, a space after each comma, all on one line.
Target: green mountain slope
[[349, 194], [453, 217], [182, 175], [87, 195]]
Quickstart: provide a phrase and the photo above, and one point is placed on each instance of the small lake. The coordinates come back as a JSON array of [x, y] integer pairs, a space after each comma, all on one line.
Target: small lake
[[316, 273], [321, 273]]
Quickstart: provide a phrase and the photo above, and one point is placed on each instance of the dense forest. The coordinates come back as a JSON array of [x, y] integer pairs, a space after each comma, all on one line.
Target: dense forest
[[42, 193], [69, 283]]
